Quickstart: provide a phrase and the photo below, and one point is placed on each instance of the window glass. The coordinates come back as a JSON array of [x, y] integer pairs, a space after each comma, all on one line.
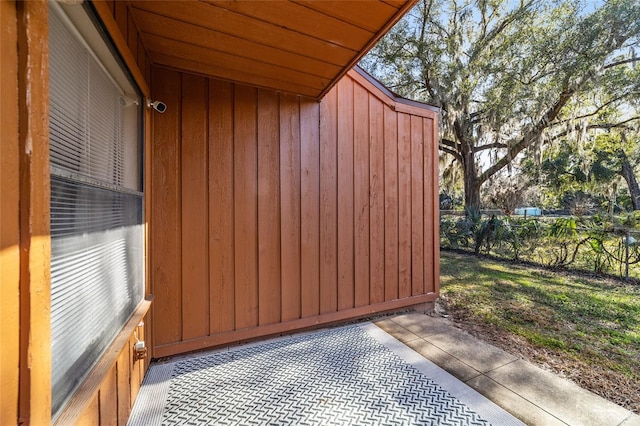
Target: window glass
[[97, 235]]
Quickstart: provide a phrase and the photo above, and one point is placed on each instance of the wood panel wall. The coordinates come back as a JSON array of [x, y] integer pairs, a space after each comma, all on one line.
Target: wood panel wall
[[112, 393], [272, 212], [25, 203], [9, 212]]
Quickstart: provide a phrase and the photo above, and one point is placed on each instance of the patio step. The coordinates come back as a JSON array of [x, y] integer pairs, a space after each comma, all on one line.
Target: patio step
[[528, 392]]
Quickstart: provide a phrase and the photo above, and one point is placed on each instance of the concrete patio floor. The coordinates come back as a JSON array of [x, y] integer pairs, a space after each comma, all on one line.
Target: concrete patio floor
[[456, 372], [531, 394], [355, 374]]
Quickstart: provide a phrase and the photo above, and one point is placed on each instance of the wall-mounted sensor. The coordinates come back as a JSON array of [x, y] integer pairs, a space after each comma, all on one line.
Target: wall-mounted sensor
[[161, 107], [126, 101]]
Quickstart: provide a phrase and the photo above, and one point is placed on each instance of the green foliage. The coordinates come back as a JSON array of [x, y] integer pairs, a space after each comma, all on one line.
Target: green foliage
[[565, 228], [630, 220], [589, 172], [593, 243], [460, 232]]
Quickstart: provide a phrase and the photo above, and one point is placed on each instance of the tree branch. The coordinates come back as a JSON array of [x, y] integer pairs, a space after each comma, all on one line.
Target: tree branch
[[609, 126], [621, 62], [449, 151], [598, 109], [490, 146], [531, 135], [449, 143], [495, 32], [603, 126], [426, 12]]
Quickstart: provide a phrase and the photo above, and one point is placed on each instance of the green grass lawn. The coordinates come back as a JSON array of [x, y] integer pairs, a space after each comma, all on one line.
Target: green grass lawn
[[587, 329]]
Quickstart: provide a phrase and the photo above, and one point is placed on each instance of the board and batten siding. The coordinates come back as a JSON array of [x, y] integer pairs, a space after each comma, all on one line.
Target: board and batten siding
[[272, 212]]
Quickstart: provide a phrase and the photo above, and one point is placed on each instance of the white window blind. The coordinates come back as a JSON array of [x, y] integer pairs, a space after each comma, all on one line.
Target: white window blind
[[97, 250]]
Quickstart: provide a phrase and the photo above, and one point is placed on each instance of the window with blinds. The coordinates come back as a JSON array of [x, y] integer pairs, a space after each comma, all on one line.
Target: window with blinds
[[97, 239]]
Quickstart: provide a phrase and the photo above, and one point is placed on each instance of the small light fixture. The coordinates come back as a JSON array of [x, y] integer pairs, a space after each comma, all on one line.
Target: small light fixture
[[159, 106]]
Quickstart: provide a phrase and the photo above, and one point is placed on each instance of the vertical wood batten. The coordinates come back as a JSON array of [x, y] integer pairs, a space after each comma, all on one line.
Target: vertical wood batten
[[221, 208], [34, 211], [121, 15], [144, 64], [165, 180], [194, 190], [10, 212], [404, 205], [132, 38], [310, 208], [391, 243], [376, 197], [417, 206], [290, 205], [346, 249], [110, 4], [435, 220], [268, 207], [246, 206], [429, 207], [123, 377], [136, 374], [328, 203], [361, 193], [108, 399]]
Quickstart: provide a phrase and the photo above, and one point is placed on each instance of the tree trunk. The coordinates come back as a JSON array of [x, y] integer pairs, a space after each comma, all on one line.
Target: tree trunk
[[471, 186], [471, 194], [630, 178]]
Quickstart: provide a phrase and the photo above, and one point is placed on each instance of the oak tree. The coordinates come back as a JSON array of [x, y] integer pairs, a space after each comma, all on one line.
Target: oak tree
[[510, 76]]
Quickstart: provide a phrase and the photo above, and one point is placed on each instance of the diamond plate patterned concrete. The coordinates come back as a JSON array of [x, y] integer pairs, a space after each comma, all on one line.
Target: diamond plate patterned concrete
[[341, 376]]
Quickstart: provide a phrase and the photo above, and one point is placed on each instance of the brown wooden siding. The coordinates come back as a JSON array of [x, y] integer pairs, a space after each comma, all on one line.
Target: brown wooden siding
[[10, 211], [314, 212], [35, 247], [107, 395]]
